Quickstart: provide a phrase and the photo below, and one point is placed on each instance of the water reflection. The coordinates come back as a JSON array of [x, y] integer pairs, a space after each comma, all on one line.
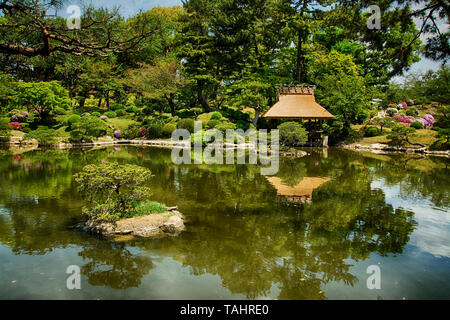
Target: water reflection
[[237, 227]]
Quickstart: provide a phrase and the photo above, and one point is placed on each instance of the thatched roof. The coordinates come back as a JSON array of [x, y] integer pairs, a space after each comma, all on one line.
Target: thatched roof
[[302, 192], [297, 103]]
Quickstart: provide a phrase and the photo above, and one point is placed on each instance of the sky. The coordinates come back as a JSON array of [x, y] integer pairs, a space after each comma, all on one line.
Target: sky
[[129, 8]]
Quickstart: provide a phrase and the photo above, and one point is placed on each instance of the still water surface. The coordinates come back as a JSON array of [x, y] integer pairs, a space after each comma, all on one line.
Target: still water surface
[[311, 232]]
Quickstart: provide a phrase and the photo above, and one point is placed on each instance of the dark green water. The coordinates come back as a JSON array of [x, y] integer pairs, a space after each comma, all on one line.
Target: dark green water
[[242, 239]]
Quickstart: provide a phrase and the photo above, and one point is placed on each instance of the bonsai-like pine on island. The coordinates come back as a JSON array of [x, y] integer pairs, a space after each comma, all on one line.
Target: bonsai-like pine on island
[[119, 202]]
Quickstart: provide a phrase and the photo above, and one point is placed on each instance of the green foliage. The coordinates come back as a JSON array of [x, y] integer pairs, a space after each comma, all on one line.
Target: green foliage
[[72, 120], [168, 129], [5, 129], [132, 109], [112, 189], [96, 114], [345, 96], [41, 97], [213, 123], [146, 207], [292, 134], [440, 145], [59, 111], [187, 124], [216, 116], [111, 114], [224, 126], [417, 125], [411, 112], [87, 128], [372, 132], [132, 132], [443, 122], [155, 130], [400, 135], [43, 135], [117, 106]]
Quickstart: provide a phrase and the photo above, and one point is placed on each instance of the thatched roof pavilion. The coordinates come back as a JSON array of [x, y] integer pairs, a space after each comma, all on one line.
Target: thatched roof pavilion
[[301, 192], [297, 103]]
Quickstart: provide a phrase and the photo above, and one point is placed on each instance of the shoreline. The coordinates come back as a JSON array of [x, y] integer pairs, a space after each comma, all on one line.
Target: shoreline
[[375, 148]]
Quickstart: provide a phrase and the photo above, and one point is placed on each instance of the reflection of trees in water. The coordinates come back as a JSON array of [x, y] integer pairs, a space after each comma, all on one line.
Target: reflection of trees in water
[[113, 265], [236, 228]]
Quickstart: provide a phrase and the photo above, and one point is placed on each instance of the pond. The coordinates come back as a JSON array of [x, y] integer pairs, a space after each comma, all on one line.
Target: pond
[[311, 232]]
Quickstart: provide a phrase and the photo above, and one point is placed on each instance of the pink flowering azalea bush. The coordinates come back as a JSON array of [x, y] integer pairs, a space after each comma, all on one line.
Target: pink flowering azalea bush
[[427, 121], [144, 132], [403, 105], [20, 116], [402, 119], [117, 134], [103, 117], [15, 125]]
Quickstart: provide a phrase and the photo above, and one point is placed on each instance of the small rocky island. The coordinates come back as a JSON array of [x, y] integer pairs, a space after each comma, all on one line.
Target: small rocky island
[[119, 204], [170, 223]]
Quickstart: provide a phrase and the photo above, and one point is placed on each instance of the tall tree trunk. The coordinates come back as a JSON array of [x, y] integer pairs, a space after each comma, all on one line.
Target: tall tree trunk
[[201, 98], [171, 104], [255, 120], [107, 99]]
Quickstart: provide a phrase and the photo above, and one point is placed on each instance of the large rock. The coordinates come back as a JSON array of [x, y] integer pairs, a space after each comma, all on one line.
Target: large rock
[[153, 225]]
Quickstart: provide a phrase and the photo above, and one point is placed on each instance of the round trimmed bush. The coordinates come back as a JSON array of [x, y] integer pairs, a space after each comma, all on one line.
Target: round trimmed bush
[[213, 123], [96, 114], [372, 132], [110, 114], [417, 125], [216, 116], [132, 109], [187, 124], [392, 111], [121, 113], [244, 125], [168, 129], [117, 106], [225, 126], [73, 119]]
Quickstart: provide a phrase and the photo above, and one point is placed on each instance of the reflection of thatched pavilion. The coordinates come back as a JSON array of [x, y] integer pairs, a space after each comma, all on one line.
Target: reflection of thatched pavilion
[[301, 192], [299, 103]]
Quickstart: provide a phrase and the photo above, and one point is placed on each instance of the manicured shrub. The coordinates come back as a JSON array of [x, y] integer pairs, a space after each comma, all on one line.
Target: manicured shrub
[[412, 112], [213, 123], [88, 128], [372, 132], [417, 125], [103, 117], [244, 125], [392, 111], [132, 132], [73, 119], [110, 114], [292, 134], [117, 134], [132, 109], [187, 124], [96, 114], [440, 145], [224, 126], [43, 135], [121, 113], [117, 106], [216, 116], [5, 130], [155, 131], [168, 129], [59, 111]]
